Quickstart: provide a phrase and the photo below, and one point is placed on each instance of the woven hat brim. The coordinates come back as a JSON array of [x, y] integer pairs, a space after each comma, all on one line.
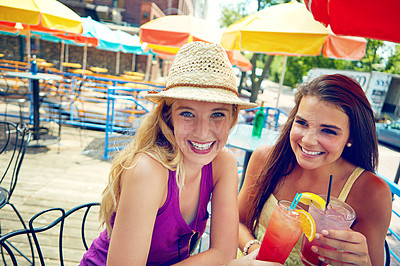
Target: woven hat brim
[[200, 94]]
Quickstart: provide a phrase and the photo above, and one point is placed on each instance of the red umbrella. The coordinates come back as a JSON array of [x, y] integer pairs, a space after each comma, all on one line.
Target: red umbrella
[[365, 18]]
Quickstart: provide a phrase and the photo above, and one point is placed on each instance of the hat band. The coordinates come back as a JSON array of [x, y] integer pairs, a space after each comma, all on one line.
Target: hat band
[[201, 86]]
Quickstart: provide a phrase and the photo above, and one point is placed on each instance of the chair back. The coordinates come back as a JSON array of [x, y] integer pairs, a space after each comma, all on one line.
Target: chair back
[[14, 139], [55, 238]]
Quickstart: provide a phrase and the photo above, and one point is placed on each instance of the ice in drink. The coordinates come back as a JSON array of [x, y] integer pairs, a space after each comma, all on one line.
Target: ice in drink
[[338, 216], [283, 231]]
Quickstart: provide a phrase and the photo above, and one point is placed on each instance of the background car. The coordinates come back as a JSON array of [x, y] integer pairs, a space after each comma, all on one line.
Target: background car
[[389, 133]]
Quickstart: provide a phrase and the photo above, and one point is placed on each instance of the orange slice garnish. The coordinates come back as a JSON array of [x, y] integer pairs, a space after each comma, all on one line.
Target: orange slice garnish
[[308, 224]]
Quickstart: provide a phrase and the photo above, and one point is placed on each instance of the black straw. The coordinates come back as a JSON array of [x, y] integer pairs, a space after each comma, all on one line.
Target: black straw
[[329, 192], [328, 197]]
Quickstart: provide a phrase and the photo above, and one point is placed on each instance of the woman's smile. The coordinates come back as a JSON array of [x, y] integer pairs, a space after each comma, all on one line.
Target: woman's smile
[[201, 147]]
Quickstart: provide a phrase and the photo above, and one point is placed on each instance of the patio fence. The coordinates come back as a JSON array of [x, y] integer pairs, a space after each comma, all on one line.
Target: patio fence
[[393, 236]]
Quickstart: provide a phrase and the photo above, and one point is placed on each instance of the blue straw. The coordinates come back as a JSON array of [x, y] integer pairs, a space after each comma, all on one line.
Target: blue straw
[[295, 201], [291, 205]]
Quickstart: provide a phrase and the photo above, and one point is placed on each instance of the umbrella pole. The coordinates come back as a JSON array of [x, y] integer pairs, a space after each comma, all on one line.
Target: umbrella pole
[[281, 80], [62, 55], [133, 61], [28, 47], [84, 57], [66, 53], [117, 63], [148, 67]]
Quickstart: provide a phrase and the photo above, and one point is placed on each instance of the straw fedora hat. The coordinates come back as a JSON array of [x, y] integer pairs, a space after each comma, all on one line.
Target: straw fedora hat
[[202, 72]]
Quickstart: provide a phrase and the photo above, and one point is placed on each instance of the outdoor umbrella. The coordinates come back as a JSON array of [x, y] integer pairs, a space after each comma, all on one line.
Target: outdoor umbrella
[[289, 29], [365, 18], [67, 38], [105, 36], [129, 44], [167, 34], [115, 41], [239, 60], [39, 15]]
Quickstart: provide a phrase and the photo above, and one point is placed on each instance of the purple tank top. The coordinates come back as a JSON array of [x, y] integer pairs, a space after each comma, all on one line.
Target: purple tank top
[[172, 236]]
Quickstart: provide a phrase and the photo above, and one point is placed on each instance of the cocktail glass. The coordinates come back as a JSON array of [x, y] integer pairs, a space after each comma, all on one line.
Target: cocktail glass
[[283, 231], [338, 216]]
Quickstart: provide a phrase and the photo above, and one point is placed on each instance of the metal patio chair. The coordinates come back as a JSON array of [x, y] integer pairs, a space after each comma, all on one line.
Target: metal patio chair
[[14, 140], [8, 95], [54, 236]]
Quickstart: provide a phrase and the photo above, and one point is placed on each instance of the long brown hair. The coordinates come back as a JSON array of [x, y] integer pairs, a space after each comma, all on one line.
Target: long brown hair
[[347, 95]]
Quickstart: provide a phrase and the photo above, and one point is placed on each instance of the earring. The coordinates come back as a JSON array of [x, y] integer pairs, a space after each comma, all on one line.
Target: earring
[[348, 144]]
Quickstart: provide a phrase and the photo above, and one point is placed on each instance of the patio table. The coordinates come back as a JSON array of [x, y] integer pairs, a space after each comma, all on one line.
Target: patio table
[[240, 138], [35, 94]]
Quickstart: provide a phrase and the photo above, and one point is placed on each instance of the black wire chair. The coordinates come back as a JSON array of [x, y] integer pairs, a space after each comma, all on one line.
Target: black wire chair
[[40, 227], [14, 139], [387, 254], [19, 98]]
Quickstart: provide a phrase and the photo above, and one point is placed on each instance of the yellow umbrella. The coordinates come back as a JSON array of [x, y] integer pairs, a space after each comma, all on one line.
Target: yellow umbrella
[[281, 29], [39, 15], [45, 14], [288, 29]]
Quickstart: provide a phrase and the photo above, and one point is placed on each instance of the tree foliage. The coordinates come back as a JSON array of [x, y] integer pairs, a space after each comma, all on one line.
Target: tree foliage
[[393, 64], [231, 13]]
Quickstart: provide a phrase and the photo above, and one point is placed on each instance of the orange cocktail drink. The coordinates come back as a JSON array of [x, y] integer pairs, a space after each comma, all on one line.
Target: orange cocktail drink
[[283, 231]]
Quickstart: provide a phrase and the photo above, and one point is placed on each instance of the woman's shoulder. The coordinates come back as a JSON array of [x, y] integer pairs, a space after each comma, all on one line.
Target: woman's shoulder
[[261, 153], [224, 156], [371, 194], [223, 161], [144, 165], [372, 186]]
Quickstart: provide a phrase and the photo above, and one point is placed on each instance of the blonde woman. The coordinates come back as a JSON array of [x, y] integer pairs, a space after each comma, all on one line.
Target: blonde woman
[[155, 204]]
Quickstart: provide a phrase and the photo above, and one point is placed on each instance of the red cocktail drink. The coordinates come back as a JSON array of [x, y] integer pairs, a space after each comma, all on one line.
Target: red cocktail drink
[[283, 231]]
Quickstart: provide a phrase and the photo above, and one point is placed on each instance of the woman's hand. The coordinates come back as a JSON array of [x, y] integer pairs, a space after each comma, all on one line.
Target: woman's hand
[[251, 260], [350, 248]]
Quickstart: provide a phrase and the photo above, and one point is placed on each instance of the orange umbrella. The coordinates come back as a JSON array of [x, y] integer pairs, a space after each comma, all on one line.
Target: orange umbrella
[[344, 47], [237, 59], [175, 31]]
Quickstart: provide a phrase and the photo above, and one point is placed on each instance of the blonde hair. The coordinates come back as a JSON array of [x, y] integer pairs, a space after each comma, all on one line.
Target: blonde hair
[[155, 138]]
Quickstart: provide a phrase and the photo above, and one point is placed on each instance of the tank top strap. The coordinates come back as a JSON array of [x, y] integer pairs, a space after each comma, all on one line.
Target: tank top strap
[[349, 183]]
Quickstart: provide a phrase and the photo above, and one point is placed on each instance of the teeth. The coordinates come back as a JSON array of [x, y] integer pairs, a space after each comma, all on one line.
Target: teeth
[[201, 147], [310, 152]]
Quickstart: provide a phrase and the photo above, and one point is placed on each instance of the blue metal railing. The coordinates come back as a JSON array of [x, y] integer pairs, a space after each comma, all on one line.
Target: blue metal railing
[[395, 188], [114, 134]]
